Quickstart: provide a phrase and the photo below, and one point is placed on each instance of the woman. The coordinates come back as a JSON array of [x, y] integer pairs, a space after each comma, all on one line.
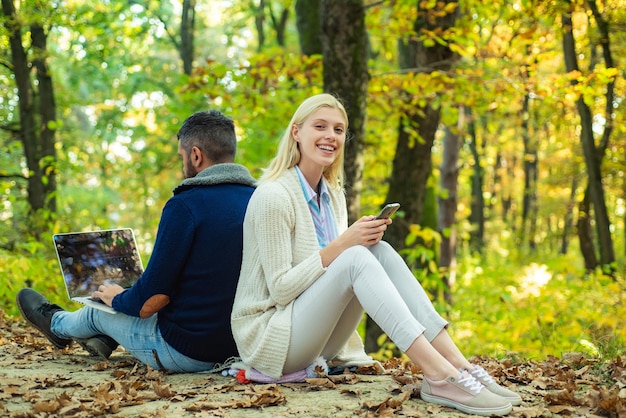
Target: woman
[[307, 277]]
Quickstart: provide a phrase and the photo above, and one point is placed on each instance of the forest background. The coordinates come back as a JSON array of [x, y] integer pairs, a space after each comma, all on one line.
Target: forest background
[[499, 126]]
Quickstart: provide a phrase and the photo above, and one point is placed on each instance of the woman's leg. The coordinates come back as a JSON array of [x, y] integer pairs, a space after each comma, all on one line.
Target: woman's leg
[[444, 344], [141, 337], [421, 351], [327, 306], [327, 313], [419, 303]]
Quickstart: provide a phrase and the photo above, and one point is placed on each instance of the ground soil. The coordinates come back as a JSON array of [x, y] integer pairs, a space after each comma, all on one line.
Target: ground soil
[[37, 380]]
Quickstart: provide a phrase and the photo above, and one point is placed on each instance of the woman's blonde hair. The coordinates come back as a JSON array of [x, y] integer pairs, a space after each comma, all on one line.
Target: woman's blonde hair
[[288, 155]]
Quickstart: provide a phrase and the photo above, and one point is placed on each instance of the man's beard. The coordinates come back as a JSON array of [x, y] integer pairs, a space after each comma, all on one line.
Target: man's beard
[[190, 171]]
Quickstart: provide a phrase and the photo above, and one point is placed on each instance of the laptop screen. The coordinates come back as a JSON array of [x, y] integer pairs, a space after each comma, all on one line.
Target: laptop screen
[[89, 259]]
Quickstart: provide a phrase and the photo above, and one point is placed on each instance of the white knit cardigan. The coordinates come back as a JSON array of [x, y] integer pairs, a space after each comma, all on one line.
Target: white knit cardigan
[[281, 259]]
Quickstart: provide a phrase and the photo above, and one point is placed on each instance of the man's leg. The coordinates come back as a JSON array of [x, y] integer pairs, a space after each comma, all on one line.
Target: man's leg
[[38, 311], [141, 337]]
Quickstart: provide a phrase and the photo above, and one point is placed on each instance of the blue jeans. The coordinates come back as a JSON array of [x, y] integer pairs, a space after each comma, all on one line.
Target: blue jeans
[[141, 337]]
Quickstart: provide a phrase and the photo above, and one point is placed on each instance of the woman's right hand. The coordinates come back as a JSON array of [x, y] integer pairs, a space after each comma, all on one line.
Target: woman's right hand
[[365, 231]]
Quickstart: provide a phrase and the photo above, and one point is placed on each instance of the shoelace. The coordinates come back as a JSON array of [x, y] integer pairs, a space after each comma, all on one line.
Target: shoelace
[[470, 382], [482, 375], [48, 309]]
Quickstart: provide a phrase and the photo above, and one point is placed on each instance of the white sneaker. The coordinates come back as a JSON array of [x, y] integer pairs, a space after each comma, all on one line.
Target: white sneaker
[[464, 393], [489, 382]]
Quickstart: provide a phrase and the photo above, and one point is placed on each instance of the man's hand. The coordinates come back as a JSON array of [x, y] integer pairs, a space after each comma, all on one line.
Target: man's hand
[[106, 293]]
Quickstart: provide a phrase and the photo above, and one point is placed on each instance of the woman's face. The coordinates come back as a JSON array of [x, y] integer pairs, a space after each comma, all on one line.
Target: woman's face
[[320, 138]]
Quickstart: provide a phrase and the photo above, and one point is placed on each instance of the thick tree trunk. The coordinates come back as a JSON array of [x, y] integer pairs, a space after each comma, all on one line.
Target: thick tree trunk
[[412, 161], [591, 153], [37, 115], [309, 28], [345, 49]]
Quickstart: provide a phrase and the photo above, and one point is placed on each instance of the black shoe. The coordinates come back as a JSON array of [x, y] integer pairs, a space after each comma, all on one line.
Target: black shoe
[[38, 311], [100, 345]]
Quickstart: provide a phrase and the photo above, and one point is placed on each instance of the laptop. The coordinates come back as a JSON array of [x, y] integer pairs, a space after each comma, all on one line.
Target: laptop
[[89, 259]]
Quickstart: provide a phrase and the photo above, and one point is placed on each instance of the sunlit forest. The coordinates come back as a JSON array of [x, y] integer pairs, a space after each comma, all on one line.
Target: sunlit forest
[[498, 126]]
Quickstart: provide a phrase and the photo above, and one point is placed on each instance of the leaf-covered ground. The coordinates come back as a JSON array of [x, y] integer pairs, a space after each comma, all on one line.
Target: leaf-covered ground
[[39, 381]]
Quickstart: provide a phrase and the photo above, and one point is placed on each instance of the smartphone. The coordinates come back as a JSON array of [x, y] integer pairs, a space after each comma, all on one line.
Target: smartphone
[[388, 210]]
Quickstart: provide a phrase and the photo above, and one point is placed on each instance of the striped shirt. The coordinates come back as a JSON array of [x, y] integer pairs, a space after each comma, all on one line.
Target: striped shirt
[[325, 226]]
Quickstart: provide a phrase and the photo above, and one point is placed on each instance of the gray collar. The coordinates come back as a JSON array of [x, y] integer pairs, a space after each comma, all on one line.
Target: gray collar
[[219, 174]]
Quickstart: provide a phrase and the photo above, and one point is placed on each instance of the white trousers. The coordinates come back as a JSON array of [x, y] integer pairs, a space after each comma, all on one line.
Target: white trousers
[[375, 279]]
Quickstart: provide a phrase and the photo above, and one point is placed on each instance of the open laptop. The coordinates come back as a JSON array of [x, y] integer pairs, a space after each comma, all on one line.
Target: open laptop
[[89, 259]]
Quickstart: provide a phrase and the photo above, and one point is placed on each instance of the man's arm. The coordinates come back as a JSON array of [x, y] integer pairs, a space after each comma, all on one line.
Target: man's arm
[[173, 243]]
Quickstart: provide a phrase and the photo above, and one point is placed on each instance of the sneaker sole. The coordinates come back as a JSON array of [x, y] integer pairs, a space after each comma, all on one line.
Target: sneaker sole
[[514, 401], [465, 408]]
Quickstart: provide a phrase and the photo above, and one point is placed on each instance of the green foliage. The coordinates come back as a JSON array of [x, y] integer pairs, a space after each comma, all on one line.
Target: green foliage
[[537, 309], [31, 264]]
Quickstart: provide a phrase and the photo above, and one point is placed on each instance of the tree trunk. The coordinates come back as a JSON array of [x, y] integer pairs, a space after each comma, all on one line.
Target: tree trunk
[[585, 233], [448, 200], [187, 32], [477, 206], [345, 50], [259, 23], [529, 201], [309, 28], [591, 153], [279, 24], [569, 217], [37, 112], [412, 161]]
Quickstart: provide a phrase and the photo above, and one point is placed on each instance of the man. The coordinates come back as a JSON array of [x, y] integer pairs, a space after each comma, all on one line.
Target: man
[[177, 316]]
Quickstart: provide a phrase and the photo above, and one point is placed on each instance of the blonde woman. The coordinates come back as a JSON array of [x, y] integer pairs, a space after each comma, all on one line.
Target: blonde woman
[[307, 277]]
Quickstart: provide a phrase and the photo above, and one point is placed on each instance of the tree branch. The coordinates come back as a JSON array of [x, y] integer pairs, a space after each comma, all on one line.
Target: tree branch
[[13, 176]]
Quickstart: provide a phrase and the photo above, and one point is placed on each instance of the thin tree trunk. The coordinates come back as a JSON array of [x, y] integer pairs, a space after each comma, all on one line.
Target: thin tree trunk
[[569, 217], [477, 206], [279, 24], [529, 205], [449, 179], [591, 153], [187, 33], [259, 23], [585, 233]]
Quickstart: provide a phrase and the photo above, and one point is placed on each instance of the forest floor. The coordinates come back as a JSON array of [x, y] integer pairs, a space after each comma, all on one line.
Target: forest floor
[[39, 381]]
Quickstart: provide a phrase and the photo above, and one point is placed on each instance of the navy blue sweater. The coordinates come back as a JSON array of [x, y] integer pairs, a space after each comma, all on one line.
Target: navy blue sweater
[[196, 262]]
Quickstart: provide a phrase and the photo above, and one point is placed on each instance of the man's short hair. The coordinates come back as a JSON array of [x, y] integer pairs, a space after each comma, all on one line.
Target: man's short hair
[[212, 132]]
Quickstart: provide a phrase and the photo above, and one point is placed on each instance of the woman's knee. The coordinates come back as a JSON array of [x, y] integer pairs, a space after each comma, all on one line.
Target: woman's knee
[[357, 254], [382, 248]]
